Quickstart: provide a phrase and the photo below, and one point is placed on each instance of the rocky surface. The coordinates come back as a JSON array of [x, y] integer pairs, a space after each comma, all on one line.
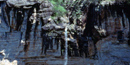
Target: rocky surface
[[111, 52], [29, 36]]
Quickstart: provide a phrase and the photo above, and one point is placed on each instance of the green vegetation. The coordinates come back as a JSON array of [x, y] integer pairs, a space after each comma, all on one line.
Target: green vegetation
[[67, 7], [58, 9]]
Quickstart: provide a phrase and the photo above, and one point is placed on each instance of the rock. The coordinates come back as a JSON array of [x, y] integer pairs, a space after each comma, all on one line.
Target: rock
[[91, 48], [64, 19], [59, 27], [72, 40], [45, 14], [3, 0], [2, 52], [107, 2], [18, 3], [45, 4], [32, 39], [46, 9], [118, 23], [53, 26], [120, 63], [27, 7], [48, 27], [113, 53], [72, 27]]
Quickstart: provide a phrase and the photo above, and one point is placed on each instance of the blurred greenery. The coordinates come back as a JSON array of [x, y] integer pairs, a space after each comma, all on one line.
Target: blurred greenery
[[58, 9], [69, 7]]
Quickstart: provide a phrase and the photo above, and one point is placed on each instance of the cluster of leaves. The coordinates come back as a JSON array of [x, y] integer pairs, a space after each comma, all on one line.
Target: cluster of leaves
[[58, 8], [61, 7]]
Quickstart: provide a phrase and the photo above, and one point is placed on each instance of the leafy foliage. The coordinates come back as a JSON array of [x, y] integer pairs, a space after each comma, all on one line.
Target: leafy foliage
[[59, 10]]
